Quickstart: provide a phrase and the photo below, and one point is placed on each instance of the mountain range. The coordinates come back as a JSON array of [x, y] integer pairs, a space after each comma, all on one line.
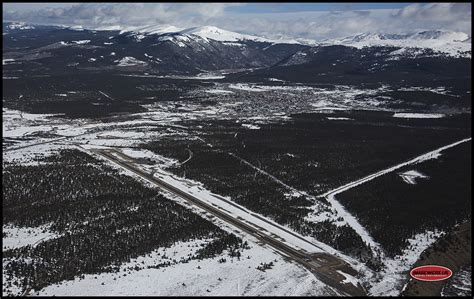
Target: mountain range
[[166, 49]]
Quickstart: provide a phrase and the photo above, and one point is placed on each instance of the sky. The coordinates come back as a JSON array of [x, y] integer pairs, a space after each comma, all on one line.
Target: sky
[[295, 20]]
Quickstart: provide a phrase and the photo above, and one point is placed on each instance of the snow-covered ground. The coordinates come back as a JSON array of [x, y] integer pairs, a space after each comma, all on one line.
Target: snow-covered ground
[[353, 222], [203, 32], [338, 118], [219, 91], [198, 277], [260, 88], [237, 277], [8, 61], [17, 123], [265, 225], [443, 41], [250, 126], [129, 61], [350, 219], [49, 131], [426, 156], [16, 237], [81, 42], [203, 76], [439, 90], [391, 280], [27, 128], [411, 176], [20, 26], [27, 156], [418, 115], [160, 120], [348, 278]]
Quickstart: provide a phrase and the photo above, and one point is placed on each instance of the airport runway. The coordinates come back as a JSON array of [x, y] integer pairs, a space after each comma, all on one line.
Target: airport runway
[[323, 265]]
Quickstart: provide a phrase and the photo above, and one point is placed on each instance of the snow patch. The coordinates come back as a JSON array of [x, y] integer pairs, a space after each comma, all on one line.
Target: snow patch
[[81, 42], [339, 118], [418, 115], [129, 61], [348, 278], [443, 41], [410, 176], [20, 26], [16, 237], [392, 277], [219, 91], [214, 33], [208, 277], [8, 61], [251, 127]]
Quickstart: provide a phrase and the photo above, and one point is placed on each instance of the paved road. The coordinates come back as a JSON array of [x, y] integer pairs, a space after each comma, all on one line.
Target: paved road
[[393, 168], [34, 144], [106, 95], [323, 265], [45, 142], [362, 231]]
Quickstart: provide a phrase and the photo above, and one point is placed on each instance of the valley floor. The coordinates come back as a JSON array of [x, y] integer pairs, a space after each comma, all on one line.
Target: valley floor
[[275, 166]]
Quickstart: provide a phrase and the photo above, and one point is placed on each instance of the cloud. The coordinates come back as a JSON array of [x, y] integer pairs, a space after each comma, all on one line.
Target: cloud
[[455, 16], [321, 25], [434, 11], [96, 14], [310, 24]]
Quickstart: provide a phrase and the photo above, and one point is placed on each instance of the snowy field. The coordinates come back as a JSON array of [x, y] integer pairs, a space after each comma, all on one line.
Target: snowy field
[[201, 277], [16, 237], [198, 277], [418, 115], [390, 282], [43, 135]]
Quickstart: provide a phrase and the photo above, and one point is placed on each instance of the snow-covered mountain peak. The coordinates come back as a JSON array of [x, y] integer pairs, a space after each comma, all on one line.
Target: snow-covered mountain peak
[[449, 42], [368, 36], [214, 33], [209, 30], [20, 26], [207, 33], [218, 34], [442, 35], [439, 35]]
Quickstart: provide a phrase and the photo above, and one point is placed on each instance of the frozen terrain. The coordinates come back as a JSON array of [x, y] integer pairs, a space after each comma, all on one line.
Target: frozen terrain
[[16, 237], [235, 277], [444, 41]]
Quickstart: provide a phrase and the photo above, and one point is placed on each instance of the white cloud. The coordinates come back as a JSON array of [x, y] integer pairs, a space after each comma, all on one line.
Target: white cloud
[[314, 25], [94, 14], [453, 16]]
